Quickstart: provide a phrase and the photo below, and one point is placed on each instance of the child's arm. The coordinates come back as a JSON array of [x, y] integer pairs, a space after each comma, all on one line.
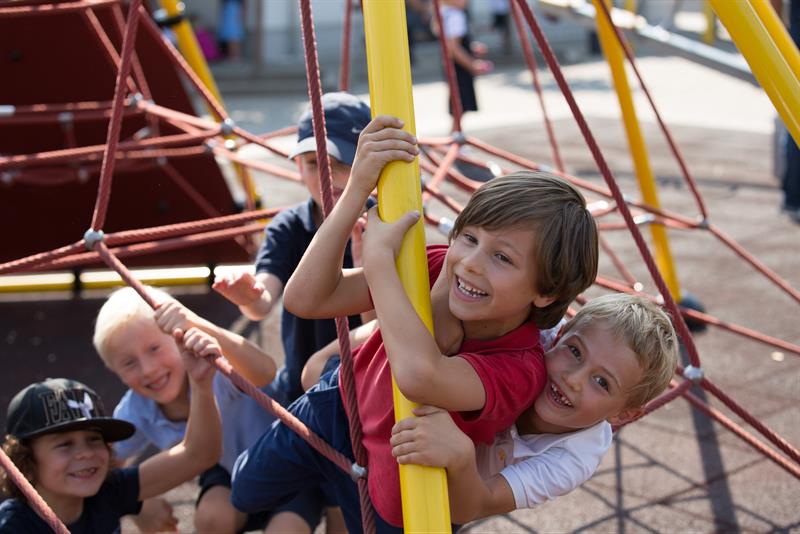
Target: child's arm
[[255, 295], [476, 67], [316, 363], [319, 287], [433, 439], [247, 358], [202, 444], [423, 374]]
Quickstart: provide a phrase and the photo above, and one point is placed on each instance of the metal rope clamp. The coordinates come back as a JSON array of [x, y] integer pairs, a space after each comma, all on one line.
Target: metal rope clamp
[[227, 126], [357, 471], [695, 374], [92, 237]]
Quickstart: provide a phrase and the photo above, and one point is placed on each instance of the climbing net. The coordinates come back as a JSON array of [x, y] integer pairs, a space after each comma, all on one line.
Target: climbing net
[[223, 137]]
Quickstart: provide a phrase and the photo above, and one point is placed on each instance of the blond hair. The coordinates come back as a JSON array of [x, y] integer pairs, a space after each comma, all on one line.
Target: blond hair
[[122, 306], [645, 327], [565, 247]]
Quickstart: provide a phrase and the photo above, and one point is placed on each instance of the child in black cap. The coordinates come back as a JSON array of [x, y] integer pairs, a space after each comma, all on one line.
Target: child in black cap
[[59, 435], [286, 239], [289, 234]]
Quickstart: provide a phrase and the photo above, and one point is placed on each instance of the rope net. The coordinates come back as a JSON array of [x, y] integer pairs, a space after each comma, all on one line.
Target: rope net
[[173, 135]]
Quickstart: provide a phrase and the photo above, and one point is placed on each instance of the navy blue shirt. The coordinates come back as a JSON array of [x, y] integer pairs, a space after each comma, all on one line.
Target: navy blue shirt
[[118, 496], [287, 238]]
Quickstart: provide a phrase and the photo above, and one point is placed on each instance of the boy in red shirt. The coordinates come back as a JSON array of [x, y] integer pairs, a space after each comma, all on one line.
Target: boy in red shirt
[[519, 253]]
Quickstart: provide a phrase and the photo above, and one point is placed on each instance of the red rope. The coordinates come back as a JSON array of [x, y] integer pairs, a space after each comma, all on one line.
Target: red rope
[[95, 151], [622, 269], [744, 436], [752, 260], [342, 328], [138, 71], [457, 107], [458, 178], [105, 44], [34, 499], [238, 380], [579, 182], [690, 181], [115, 124], [767, 432], [49, 9], [140, 249], [527, 49], [663, 399], [344, 69], [184, 67], [620, 287]]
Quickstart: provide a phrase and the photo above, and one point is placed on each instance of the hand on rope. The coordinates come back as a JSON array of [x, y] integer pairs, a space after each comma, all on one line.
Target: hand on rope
[[172, 316], [198, 348]]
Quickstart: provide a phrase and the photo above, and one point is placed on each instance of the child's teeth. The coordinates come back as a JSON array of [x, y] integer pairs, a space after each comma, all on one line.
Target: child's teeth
[[470, 290]]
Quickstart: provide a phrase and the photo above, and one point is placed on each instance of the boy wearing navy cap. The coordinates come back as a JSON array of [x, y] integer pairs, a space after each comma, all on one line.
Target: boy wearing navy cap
[[286, 239], [289, 234]]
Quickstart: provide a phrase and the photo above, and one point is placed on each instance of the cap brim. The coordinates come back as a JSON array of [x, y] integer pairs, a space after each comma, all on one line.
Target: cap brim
[[340, 149], [111, 429]]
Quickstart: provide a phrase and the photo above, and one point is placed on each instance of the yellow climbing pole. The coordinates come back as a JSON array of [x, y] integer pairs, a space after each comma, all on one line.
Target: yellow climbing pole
[[641, 162], [423, 489], [771, 68]]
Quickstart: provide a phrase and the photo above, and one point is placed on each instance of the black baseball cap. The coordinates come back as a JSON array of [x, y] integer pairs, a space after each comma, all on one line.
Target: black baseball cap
[[62, 405], [345, 117]]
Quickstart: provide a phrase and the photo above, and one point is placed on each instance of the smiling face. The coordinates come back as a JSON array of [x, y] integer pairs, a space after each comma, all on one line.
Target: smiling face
[[146, 360], [589, 376], [70, 465], [491, 280], [309, 173]]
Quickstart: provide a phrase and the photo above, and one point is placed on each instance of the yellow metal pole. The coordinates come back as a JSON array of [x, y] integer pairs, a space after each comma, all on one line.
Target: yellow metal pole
[[780, 36], [630, 5], [641, 163], [187, 43], [710, 34], [768, 65], [423, 489]]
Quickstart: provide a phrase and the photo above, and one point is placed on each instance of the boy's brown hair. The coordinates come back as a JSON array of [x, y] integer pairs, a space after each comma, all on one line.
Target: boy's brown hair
[[565, 251], [19, 452], [646, 329]]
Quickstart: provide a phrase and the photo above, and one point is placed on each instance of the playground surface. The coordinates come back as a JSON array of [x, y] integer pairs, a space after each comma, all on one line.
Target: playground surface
[[674, 470]]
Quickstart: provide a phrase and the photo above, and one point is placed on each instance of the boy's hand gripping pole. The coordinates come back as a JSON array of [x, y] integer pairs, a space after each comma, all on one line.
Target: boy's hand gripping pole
[[424, 489]]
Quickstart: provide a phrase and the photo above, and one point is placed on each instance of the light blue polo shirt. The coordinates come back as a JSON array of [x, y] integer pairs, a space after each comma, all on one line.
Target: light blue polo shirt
[[243, 422]]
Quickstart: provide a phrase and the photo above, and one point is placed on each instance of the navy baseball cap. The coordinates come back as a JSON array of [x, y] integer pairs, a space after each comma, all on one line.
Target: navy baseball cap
[[345, 117], [62, 405]]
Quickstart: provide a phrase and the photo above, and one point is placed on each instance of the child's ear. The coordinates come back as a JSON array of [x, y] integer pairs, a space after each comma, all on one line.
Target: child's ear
[[625, 415], [543, 301]]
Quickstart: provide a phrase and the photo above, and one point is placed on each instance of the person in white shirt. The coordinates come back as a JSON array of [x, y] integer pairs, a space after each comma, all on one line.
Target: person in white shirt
[[618, 353]]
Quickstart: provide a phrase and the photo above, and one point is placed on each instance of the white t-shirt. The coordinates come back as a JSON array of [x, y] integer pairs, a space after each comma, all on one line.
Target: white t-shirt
[[454, 22], [540, 467], [243, 422]]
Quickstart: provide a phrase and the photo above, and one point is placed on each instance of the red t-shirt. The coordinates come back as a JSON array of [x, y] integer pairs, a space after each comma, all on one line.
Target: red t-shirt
[[513, 374]]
